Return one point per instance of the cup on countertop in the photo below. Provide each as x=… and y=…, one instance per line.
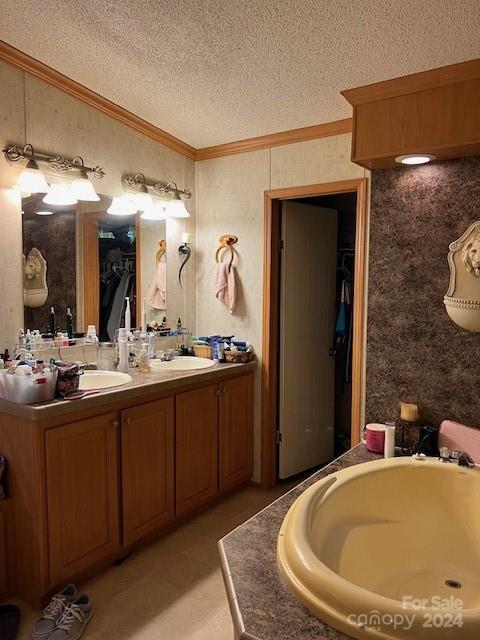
x=380, y=438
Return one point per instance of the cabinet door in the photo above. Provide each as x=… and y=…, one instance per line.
x=236, y=431
x=3, y=558
x=82, y=495
x=147, y=468
x=196, y=447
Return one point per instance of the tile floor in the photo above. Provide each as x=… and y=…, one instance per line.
x=172, y=589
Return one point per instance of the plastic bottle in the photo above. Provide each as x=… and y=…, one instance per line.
x=52, y=325
x=122, y=350
x=389, y=446
x=128, y=316
x=69, y=323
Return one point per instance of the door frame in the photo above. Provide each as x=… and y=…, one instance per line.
x=271, y=309
x=91, y=268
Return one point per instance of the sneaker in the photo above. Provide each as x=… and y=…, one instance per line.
x=74, y=619
x=44, y=626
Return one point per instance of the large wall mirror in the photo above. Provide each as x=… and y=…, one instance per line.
x=81, y=258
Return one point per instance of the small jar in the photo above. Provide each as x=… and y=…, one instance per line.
x=142, y=357
x=106, y=356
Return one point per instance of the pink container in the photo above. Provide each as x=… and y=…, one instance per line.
x=375, y=437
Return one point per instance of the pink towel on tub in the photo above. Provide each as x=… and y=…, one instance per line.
x=225, y=285
x=459, y=437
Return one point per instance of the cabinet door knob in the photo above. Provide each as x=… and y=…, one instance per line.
x=116, y=423
x=128, y=420
x=218, y=392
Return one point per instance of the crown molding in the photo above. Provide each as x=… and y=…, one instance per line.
x=47, y=74
x=42, y=71
x=276, y=139
x=413, y=83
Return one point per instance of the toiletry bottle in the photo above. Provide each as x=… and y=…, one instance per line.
x=122, y=350
x=144, y=318
x=7, y=359
x=221, y=351
x=52, y=325
x=21, y=338
x=128, y=316
x=2, y=364
x=28, y=340
x=179, y=325
x=69, y=323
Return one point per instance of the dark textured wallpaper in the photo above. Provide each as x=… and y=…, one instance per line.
x=413, y=348
x=55, y=237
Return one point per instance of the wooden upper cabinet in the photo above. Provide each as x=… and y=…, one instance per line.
x=236, y=431
x=147, y=468
x=196, y=447
x=82, y=495
x=434, y=112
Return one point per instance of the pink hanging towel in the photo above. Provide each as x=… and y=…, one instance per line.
x=225, y=285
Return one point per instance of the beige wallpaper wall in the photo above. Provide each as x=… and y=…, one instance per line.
x=230, y=200
x=57, y=123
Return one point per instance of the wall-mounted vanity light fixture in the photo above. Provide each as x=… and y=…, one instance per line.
x=171, y=197
x=32, y=180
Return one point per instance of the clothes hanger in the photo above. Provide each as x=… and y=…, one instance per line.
x=226, y=242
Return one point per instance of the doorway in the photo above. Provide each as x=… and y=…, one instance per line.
x=335, y=207
x=111, y=256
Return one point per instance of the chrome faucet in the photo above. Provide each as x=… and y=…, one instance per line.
x=460, y=457
x=463, y=459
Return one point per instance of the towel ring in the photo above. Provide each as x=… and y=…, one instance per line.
x=226, y=242
x=162, y=250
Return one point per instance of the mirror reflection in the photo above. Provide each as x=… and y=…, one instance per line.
x=89, y=267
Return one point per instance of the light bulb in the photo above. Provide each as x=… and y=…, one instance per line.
x=60, y=195
x=83, y=189
x=44, y=213
x=156, y=212
x=414, y=158
x=176, y=209
x=121, y=207
x=31, y=180
x=141, y=201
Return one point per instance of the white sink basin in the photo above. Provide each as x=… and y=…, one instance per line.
x=102, y=380
x=182, y=363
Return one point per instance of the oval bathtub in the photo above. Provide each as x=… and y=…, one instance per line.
x=388, y=549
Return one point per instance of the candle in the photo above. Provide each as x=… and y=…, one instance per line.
x=186, y=238
x=409, y=411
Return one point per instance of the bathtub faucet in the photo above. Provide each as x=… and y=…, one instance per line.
x=460, y=457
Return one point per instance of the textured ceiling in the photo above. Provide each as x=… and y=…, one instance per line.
x=214, y=71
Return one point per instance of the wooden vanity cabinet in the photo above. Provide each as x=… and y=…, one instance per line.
x=196, y=447
x=214, y=441
x=235, y=431
x=82, y=495
x=147, y=433
x=83, y=491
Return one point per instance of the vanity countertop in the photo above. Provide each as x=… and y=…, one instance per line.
x=141, y=385
x=261, y=605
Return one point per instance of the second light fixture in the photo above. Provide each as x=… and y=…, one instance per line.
x=169, y=203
